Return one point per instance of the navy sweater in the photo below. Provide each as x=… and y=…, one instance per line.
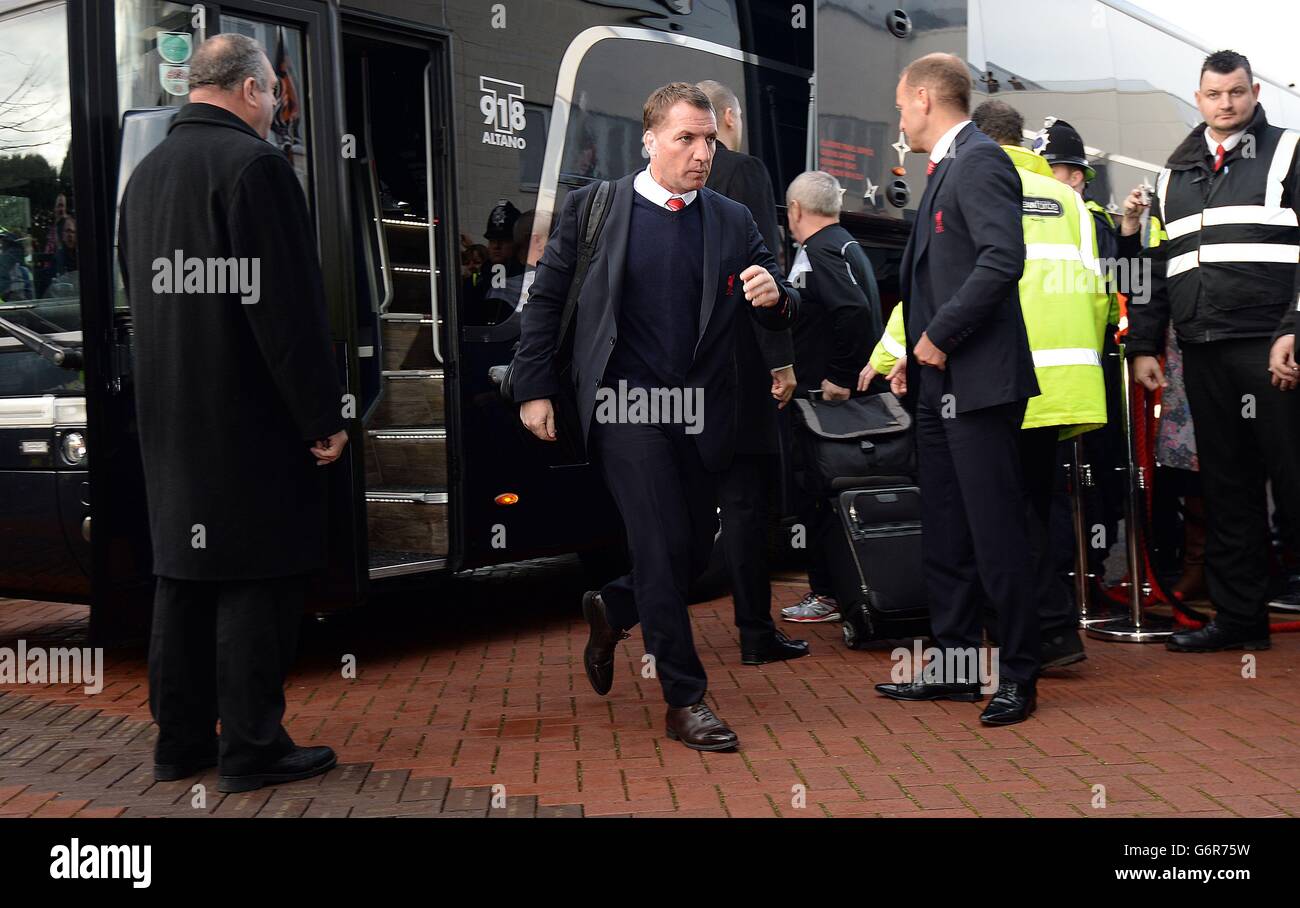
x=658, y=315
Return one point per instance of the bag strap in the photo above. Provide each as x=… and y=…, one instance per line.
x=589, y=229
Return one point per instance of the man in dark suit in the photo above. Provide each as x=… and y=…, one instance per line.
x=239, y=403
x=969, y=376
x=764, y=370
x=677, y=271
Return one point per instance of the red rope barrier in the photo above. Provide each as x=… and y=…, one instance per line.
x=1145, y=426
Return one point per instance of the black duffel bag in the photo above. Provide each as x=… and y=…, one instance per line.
x=852, y=442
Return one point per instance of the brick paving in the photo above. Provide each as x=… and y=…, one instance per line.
x=479, y=684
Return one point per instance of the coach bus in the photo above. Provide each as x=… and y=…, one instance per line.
x=435, y=140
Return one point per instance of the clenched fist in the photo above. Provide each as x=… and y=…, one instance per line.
x=760, y=287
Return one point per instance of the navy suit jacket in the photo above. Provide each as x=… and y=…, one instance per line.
x=732, y=243
x=959, y=277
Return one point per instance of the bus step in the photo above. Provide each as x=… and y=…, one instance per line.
x=411, y=290
x=411, y=398
x=407, y=239
x=410, y=522
x=394, y=564
x=406, y=458
x=408, y=342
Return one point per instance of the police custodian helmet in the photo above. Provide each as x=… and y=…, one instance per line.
x=1060, y=143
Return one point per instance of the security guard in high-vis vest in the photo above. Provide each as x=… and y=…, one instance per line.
x=1066, y=309
x=1228, y=279
x=1118, y=247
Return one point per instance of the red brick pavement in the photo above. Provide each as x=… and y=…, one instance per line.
x=480, y=683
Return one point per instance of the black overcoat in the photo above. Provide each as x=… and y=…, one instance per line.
x=232, y=388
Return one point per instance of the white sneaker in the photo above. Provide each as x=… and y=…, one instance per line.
x=812, y=609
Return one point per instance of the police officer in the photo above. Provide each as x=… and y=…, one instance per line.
x=1229, y=198
x=1062, y=147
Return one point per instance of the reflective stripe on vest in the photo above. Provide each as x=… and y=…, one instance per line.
x=1216, y=253
x=1270, y=214
x=1066, y=356
x=892, y=346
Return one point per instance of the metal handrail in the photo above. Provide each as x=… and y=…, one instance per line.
x=428, y=175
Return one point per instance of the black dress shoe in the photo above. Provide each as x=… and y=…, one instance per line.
x=1059, y=650
x=183, y=769
x=699, y=729
x=598, y=657
x=919, y=690
x=1013, y=702
x=299, y=763
x=780, y=647
x=1214, y=637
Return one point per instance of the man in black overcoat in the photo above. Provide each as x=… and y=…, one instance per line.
x=239, y=404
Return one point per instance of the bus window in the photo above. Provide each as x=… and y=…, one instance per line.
x=155, y=40
x=289, y=129
x=39, y=274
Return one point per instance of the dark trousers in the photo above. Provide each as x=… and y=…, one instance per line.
x=1041, y=464
x=974, y=533
x=744, y=498
x=221, y=650
x=1239, y=453
x=817, y=516
x=667, y=500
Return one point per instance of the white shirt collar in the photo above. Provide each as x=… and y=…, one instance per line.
x=1228, y=144
x=945, y=142
x=650, y=189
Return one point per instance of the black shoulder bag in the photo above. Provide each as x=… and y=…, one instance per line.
x=568, y=420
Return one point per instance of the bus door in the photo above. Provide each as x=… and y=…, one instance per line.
x=394, y=83
x=132, y=83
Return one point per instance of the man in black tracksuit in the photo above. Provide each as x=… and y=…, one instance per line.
x=839, y=325
x=1227, y=279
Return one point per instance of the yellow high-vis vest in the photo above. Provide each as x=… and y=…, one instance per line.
x=1063, y=298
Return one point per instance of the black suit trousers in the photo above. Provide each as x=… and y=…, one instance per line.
x=974, y=533
x=222, y=649
x=745, y=501
x=667, y=500
x=1247, y=433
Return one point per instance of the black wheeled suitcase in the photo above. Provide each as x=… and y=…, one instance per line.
x=875, y=562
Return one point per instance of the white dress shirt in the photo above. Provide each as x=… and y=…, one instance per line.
x=945, y=142
x=1228, y=144
x=649, y=188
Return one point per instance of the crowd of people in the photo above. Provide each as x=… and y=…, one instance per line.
x=1008, y=294
x=1012, y=288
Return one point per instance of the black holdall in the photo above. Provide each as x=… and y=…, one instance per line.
x=568, y=421
x=846, y=442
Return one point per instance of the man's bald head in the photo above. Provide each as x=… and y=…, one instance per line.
x=726, y=107
x=232, y=72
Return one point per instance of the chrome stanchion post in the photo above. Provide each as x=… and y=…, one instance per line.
x=1083, y=576
x=1136, y=627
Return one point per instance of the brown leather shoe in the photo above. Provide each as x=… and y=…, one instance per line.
x=598, y=657
x=699, y=729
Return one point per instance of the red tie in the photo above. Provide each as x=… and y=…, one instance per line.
x=1218, y=159
x=929, y=168
x=676, y=204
